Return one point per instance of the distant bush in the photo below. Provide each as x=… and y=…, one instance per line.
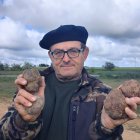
x=1, y=66
x=16, y=67
x=6, y=67
x=90, y=70
x=27, y=65
x=109, y=66
x=43, y=65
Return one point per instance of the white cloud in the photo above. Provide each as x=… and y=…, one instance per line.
x=10, y=33
x=102, y=17
x=17, y=42
x=113, y=25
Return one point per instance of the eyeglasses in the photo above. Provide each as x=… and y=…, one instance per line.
x=72, y=53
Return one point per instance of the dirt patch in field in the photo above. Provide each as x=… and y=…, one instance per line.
x=4, y=104
x=131, y=129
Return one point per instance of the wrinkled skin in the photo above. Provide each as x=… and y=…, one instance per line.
x=33, y=83
x=115, y=104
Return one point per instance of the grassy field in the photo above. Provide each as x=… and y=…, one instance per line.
x=7, y=86
x=117, y=73
x=112, y=78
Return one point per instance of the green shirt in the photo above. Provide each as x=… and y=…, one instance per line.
x=57, y=103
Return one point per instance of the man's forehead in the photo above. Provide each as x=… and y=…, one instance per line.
x=66, y=45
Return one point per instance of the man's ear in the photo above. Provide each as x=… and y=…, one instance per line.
x=86, y=52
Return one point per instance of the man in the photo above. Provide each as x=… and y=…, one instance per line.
x=71, y=111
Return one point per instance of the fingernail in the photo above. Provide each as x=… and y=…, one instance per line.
x=29, y=104
x=24, y=82
x=33, y=98
x=127, y=99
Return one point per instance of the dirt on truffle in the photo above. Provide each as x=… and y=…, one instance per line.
x=33, y=80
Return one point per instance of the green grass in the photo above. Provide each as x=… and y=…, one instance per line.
x=7, y=86
x=114, y=82
x=10, y=72
x=117, y=73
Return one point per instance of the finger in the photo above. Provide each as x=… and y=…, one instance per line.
x=121, y=121
x=19, y=100
x=109, y=122
x=28, y=96
x=23, y=113
x=42, y=87
x=131, y=114
x=136, y=100
x=132, y=103
x=20, y=80
x=20, y=108
x=28, y=117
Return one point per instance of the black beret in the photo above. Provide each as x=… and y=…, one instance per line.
x=64, y=33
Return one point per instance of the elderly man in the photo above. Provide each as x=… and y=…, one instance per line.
x=70, y=109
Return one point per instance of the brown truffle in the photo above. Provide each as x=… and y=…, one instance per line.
x=115, y=104
x=33, y=83
x=33, y=80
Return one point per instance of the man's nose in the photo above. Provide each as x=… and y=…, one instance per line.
x=66, y=58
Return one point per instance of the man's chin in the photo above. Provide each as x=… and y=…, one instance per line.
x=67, y=77
x=67, y=74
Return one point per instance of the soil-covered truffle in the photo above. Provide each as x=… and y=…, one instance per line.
x=33, y=80
x=115, y=104
x=33, y=83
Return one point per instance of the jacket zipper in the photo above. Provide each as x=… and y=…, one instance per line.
x=74, y=114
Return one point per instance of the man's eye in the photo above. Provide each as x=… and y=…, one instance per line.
x=73, y=51
x=57, y=52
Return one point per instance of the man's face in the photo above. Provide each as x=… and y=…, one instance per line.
x=67, y=67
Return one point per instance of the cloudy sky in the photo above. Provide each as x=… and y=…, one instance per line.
x=113, y=26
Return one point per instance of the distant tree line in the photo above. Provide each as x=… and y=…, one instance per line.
x=17, y=67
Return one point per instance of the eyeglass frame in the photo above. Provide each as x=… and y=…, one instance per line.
x=67, y=52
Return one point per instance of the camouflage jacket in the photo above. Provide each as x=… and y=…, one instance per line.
x=12, y=127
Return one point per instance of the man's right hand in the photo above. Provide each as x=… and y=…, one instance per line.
x=25, y=99
x=132, y=103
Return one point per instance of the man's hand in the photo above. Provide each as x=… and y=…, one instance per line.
x=109, y=123
x=25, y=99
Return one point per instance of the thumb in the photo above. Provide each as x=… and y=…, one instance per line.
x=42, y=87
